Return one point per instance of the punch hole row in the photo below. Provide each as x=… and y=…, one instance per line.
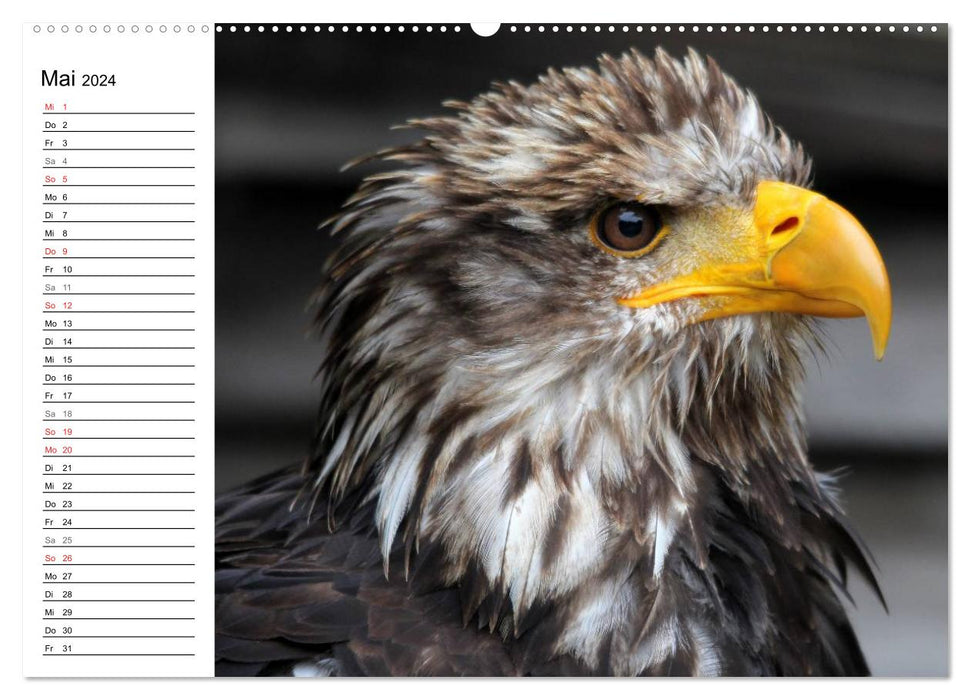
x=721, y=28
x=526, y=28
x=340, y=28
x=583, y=28
x=121, y=28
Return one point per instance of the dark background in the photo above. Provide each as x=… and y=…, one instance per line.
x=872, y=109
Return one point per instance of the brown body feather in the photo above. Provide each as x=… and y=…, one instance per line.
x=289, y=590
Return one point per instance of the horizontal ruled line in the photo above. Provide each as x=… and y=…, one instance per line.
x=117, y=528
x=119, y=167
x=72, y=238
x=116, y=366
x=116, y=437
x=119, y=294
x=118, y=384
x=115, y=636
x=125, y=583
x=118, y=149
x=70, y=491
x=119, y=347
x=104, y=583
x=114, y=330
x=106, y=654
x=119, y=275
x=119, y=546
x=119, y=420
x=121, y=311
x=128, y=113
x=125, y=564
x=129, y=184
x=124, y=473
x=118, y=221
x=114, y=204
x=118, y=131
x=78, y=401
x=110, y=456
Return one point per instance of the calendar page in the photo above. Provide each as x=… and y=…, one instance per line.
x=520, y=349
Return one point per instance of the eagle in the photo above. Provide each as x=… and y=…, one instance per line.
x=560, y=429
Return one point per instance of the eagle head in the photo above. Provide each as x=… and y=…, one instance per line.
x=564, y=324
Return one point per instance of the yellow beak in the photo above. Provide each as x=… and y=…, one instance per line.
x=803, y=254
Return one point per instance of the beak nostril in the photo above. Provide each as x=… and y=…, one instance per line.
x=786, y=226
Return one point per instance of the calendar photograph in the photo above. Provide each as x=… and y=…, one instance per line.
x=581, y=350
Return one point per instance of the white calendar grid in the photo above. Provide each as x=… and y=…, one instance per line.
x=118, y=349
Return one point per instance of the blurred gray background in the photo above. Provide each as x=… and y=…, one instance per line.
x=872, y=109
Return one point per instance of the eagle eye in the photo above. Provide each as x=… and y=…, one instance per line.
x=627, y=229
